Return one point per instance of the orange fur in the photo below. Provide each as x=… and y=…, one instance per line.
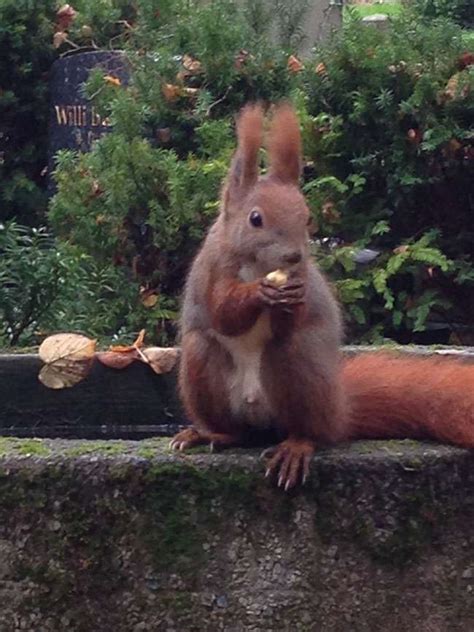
x=284, y=145
x=394, y=396
x=249, y=133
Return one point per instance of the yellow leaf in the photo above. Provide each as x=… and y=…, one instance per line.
x=68, y=359
x=112, y=81
x=64, y=373
x=66, y=346
x=149, y=299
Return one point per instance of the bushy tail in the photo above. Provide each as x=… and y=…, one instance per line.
x=395, y=396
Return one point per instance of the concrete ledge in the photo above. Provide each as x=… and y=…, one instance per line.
x=125, y=536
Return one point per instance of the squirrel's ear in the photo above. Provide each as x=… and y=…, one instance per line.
x=244, y=168
x=284, y=145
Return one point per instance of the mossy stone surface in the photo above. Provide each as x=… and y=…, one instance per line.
x=128, y=537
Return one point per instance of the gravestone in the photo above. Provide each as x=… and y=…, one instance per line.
x=321, y=19
x=314, y=20
x=74, y=121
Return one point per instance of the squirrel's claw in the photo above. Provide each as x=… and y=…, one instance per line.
x=291, y=459
x=187, y=438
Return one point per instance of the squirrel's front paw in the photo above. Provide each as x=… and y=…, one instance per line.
x=290, y=461
x=190, y=437
x=290, y=294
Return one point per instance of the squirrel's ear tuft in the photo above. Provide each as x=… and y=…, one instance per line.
x=244, y=168
x=284, y=145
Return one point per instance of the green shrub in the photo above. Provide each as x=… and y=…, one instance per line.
x=26, y=54
x=32, y=278
x=388, y=130
x=461, y=11
x=49, y=287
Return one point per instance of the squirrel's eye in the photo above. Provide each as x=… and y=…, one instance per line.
x=255, y=219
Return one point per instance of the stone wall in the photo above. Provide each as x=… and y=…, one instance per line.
x=127, y=537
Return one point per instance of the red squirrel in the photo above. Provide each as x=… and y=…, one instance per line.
x=261, y=353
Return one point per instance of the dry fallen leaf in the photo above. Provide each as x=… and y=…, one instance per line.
x=320, y=69
x=112, y=81
x=163, y=134
x=129, y=348
x=171, y=92
x=161, y=359
x=294, y=64
x=191, y=65
x=65, y=16
x=241, y=58
x=189, y=92
x=117, y=359
x=68, y=359
x=148, y=298
x=59, y=38
x=400, y=250
x=86, y=31
x=330, y=212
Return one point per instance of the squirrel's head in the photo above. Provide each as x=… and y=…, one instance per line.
x=266, y=218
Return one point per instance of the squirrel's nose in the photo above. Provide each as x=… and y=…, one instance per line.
x=292, y=257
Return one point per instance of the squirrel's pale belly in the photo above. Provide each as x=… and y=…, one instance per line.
x=247, y=393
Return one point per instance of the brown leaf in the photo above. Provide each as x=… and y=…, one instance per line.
x=68, y=359
x=129, y=348
x=191, y=65
x=399, y=250
x=163, y=134
x=86, y=31
x=59, y=38
x=455, y=89
x=112, y=81
x=330, y=212
x=189, y=92
x=161, y=359
x=414, y=136
x=117, y=359
x=171, y=92
x=294, y=64
x=321, y=70
x=241, y=57
x=466, y=60
x=65, y=16
x=148, y=298
x=96, y=189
